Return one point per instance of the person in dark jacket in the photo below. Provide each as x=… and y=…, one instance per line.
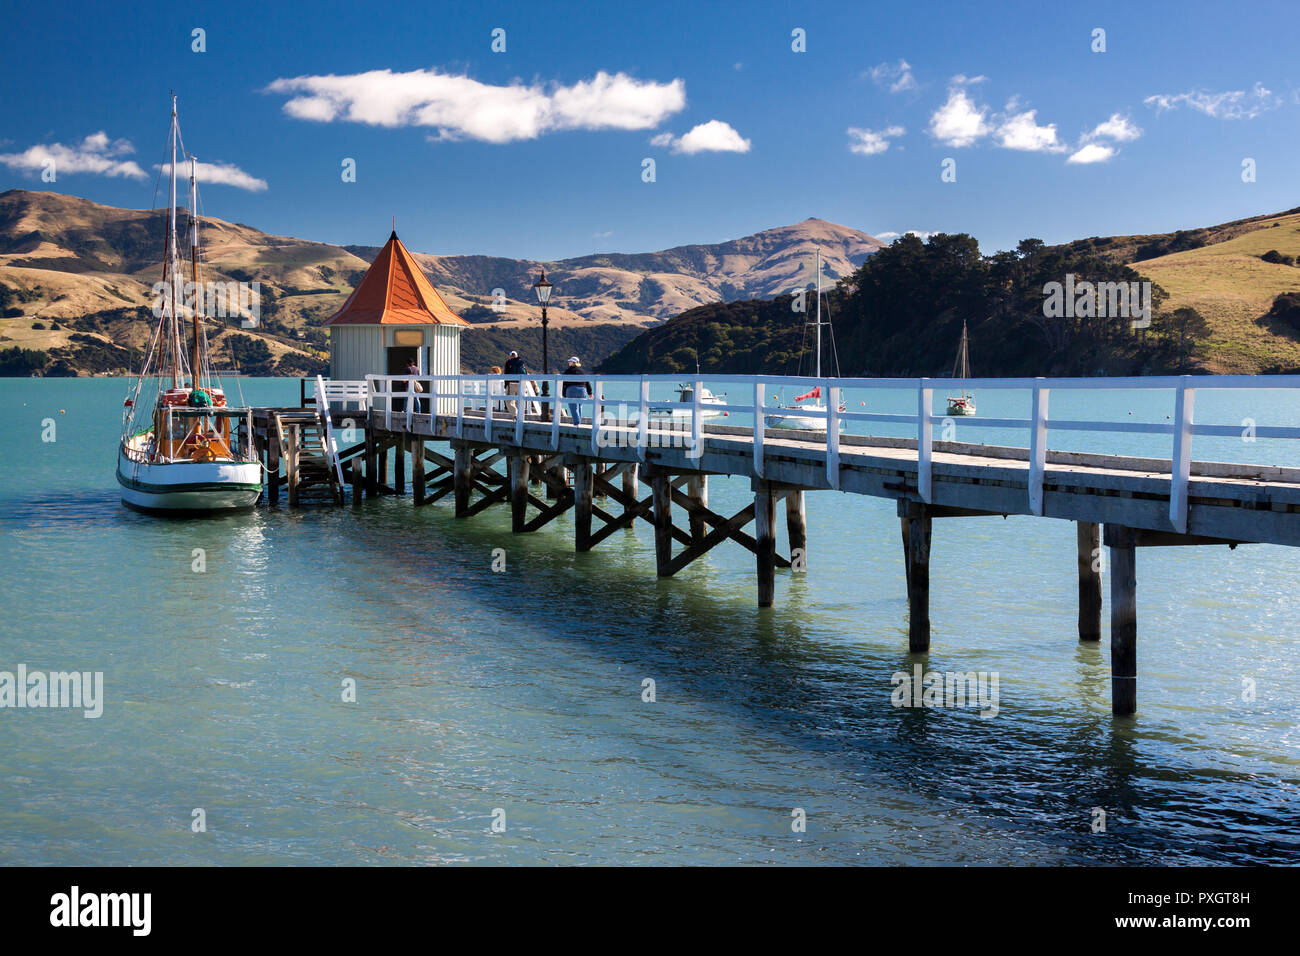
x=514, y=366
x=576, y=389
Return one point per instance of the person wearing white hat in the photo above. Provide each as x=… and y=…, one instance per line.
x=576, y=389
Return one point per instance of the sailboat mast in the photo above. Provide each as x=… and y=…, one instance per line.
x=819, y=312
x=172, y=258
x=194, y=268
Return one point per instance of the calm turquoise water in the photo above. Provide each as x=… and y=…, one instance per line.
x=522, y=690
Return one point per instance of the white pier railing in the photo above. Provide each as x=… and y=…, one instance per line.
x=644, y=420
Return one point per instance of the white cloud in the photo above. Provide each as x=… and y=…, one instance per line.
x=1092, y=153
x=221, y=174
x=1093, y=146
x=460, y=107
x=1021, y=131
x=1234, y=104
x=961, y=79
x=958, y=122
x=96, y=154
x=714, y=136
x=897, y=76
x=1119, y=128
x=919, y=233
x=866, y=142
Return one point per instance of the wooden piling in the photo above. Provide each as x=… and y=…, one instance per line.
x=291, y=465
x=661, y=490
x=906, y=524
x=1089, y=539
x=417, y=469
x=383, y=465
x=399, y=466
x=697, y=488
x=796, y=526
x=519, y=468
x=582, y=503
x=272, y=466
x=372, y=463
x=631, y=488
x=461, y=479
x=765, y=537
x=918, y=582
x=1122, y=543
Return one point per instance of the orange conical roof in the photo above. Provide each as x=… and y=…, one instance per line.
x=394, y=292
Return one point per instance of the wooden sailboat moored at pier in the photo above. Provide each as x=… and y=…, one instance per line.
x=181, y=448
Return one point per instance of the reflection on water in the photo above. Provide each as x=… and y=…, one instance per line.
x=523, y=691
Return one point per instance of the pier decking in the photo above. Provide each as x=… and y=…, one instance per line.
x=1120, y=502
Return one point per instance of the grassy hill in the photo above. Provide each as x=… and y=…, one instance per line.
x=901, y=312
x=76, y=278
x=1218, y=270
x=1234, y=288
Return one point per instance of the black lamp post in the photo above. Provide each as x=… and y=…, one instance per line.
x=543, y=290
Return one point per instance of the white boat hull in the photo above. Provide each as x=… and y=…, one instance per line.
x=800, y=422
x=682, y=414
x=189, y=486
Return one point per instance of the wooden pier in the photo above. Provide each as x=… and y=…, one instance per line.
x=633, y=466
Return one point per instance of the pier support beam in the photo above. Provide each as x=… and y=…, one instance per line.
x=357, y=475
x=399, y=466
x=461, y=475
x=630, y=488
x=582, y=503
x=917, y=535
x=697, y=488
x=518, y=468
x=372, y=463
x=765, y=536
x=1122, y=543
x=552, y=488
x=1089, y=538
x=416, y=446
x=291, y=465
x=661, y=489
x=272, y=466
x=796, y=526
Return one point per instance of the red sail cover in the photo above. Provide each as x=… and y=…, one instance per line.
x=815, y=393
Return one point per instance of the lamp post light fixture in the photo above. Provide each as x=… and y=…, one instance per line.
x=543, y=290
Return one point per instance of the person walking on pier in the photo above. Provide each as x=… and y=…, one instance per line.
x=514, y=366
x=419, y=404
x=576, y=389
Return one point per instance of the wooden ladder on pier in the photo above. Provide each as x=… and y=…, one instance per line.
x=309, y=453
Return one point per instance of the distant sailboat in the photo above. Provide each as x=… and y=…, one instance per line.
x=791, y=416
x=964, y=404
x=180, y=449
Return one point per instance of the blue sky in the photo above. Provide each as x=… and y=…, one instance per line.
x=537, y=152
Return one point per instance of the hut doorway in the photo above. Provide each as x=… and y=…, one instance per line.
x=400, y=357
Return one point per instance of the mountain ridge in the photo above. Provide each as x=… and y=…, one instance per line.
x=64, y=259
